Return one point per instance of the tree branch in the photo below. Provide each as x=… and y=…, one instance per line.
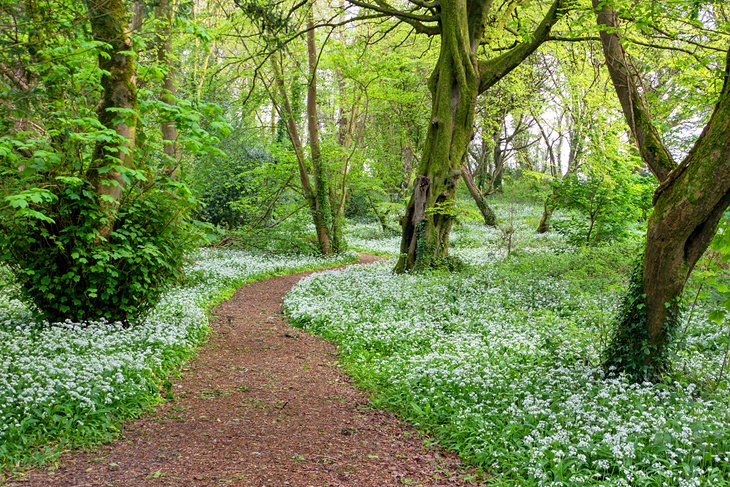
x=493, y=70
x=647, y=138
x=573, y=39
x=414, y=20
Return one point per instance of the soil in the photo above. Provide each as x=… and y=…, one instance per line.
x=263, y=404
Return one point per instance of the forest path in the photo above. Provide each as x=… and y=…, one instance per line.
x=262, y=404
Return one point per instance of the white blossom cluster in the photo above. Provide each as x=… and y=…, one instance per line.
x=73, y=381
x=472, y=243
x=502, y=364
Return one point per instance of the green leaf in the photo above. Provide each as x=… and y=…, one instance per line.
x=717, y=316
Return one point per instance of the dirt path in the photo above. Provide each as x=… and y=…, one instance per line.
x=262, y=404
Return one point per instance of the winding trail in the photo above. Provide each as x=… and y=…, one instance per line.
x=262, y=404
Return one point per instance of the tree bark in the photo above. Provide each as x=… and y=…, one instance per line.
x=118, y=107
x=307, y=189
x=457, y=79
x=636, y=113
x=688, y=206
x=496, y=179
x=687, y=211
x=164, y=18
x=453, y=85
x=547, y=213
x=321, y=208
x=490, y=219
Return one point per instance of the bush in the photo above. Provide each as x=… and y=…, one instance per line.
x=294, y=236
x=247, y=187
x=602, y=206
x=66, y=269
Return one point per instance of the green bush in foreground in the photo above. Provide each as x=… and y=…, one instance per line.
x=67, y=270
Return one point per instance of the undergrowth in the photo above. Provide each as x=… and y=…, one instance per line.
x=70, y=384
x=502, y=363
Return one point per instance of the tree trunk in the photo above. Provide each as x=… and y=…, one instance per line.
x=118, y=107
x=454, y=87
x=547, y=213
x=651, y=147
x=293, y=131
x=490, y=219
x=687, y=208
x=495, y=183
x=321, y=211
x=164, y=18
x=316, y=192
x=378, y=215
x=457, y=79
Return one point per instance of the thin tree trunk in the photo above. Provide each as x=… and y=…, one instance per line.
x=164, y=16
x=652, y=150
x=321, y=190
x=495, y=182
x=118, y=107
x=490, y=219
x=293, y=131
x=547, y=213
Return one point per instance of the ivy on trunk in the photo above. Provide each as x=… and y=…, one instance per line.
x=688, y=206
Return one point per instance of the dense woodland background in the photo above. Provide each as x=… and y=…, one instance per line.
x=134, y=132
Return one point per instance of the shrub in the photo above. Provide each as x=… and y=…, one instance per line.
x=67, y=270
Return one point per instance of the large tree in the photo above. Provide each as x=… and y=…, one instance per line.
x=688, y=206
x=460, y=75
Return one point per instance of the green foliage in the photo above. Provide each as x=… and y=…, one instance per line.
x=716, y=276
x=524, y=186
x=231, y=189
x=68, y=270
x=294, y=236
x=77, y=253
x=606, y=200
x=502, y=364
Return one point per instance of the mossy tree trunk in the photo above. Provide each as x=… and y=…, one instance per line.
x=164, y=20
x=456, y=81
x=118, y=108
x=547, y=213
x=454, y=87
x=688, y=206
x=321, y=210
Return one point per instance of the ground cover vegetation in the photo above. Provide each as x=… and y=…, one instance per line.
x=71, y=383
x=583, y=263
x=503, y=361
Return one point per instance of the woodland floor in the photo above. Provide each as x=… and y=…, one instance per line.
x=262, y=404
